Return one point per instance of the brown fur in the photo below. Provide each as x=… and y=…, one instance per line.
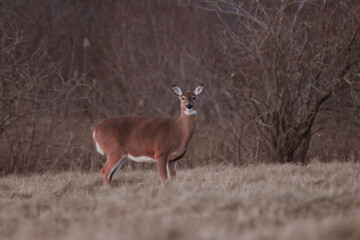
x=162, y=139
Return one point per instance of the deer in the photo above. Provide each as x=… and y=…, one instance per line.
x=147, y=139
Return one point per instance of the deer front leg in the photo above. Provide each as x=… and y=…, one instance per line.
x=172, y=168
x=161, y=166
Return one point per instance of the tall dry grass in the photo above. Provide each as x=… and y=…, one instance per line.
x=319, y=201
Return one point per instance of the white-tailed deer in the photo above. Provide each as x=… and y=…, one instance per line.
x=145, y=139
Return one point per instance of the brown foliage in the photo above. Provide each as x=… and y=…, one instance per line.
x=284, y=61
x=273, y=72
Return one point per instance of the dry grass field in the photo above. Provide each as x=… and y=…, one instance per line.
x=318, y=201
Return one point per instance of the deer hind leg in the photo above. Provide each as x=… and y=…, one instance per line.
x=112, y=165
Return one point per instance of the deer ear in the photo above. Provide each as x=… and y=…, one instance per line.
x=176, y=90
x=199, y=90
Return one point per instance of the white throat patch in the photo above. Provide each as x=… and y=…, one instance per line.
x=190, y=112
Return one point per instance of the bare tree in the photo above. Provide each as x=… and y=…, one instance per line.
x=285, y=59
x=276, y=72
x=32, y=88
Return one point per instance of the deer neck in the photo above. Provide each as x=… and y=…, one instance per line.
x=186, y=126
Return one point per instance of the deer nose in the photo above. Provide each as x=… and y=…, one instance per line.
x=189, y=105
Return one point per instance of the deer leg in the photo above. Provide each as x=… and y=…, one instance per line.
x=112, y=165
x=116, y=168
x=172, y=168
x=161, y=166
x=105, y=171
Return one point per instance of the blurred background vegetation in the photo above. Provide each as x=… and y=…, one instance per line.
x=281, y=78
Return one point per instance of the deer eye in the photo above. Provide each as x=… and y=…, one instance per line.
x=193, y=98
x=182, y=98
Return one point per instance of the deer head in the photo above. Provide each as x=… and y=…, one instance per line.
x=187, y=99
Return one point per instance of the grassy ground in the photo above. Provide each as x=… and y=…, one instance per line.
x=318, y=201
